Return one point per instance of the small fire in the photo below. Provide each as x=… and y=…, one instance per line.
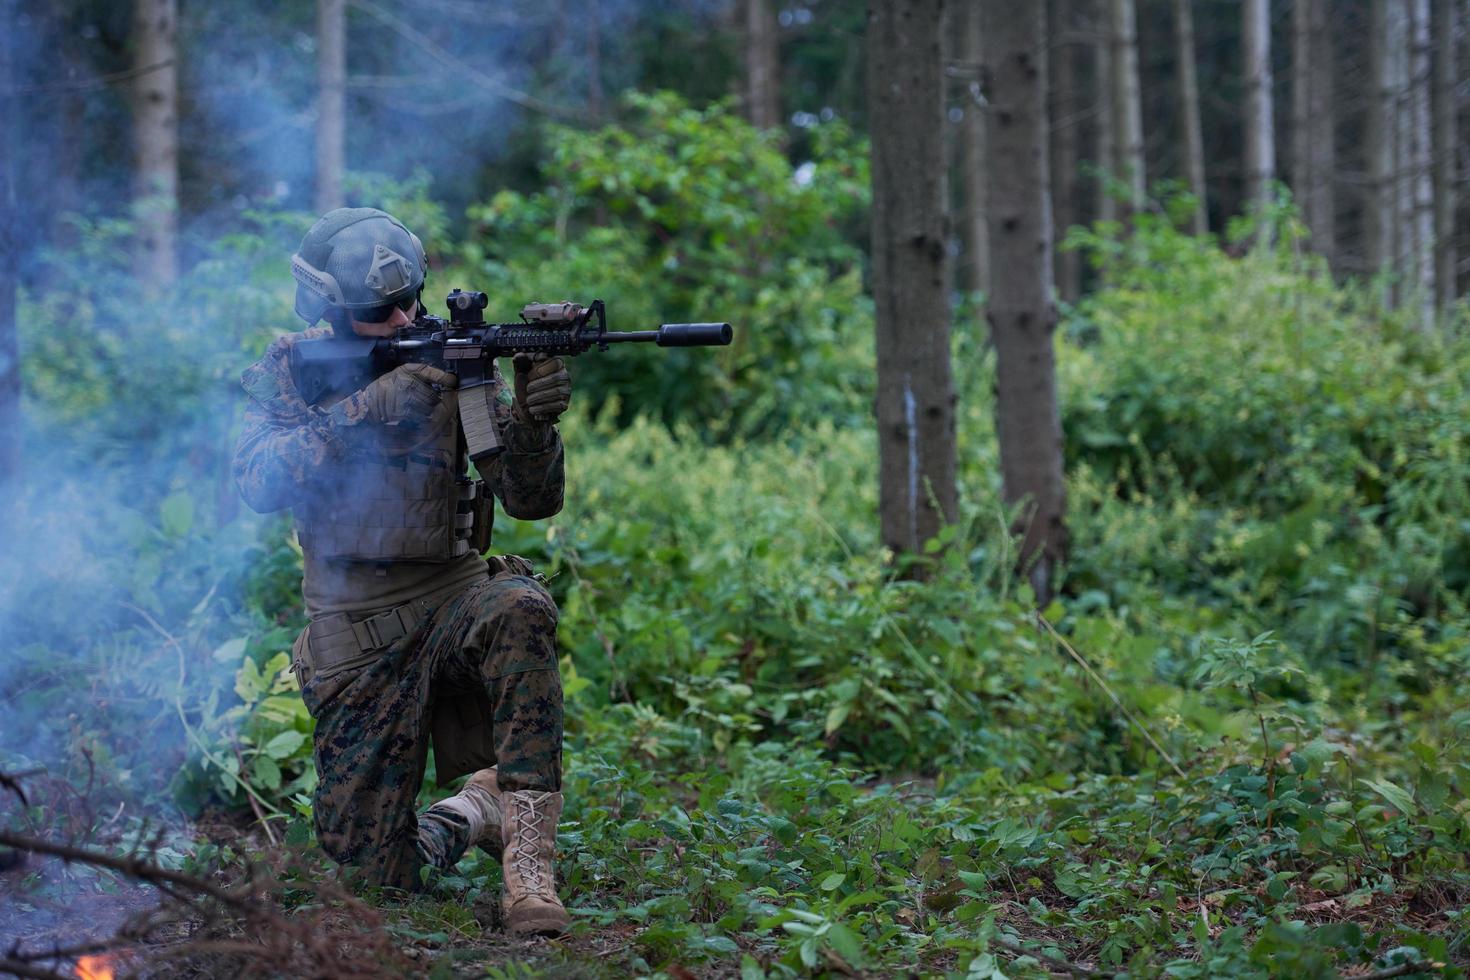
x=94, y=968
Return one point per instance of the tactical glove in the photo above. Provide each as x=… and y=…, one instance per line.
x=543, y=388
x=407, y=406
x=410, y=394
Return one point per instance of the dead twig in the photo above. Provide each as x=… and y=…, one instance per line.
x=1402, y=970
x=21, y=969
x=341, y=937
x=1055, y=962
x=1117, y=701
x=133, y=868
x=270, y=835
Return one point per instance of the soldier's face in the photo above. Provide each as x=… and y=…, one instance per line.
x=398, y=318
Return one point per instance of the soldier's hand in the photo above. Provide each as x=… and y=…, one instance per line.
x=543, y=387
x=410, y=394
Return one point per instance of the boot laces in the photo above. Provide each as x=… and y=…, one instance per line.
x=525, y=847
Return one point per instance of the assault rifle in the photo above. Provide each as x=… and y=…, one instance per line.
x=468, y=346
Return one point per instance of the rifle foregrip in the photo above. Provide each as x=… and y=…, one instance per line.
x=694, y=335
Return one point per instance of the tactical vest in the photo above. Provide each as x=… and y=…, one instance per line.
x=419, y=507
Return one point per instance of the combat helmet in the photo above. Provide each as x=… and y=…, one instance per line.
x=357, y=259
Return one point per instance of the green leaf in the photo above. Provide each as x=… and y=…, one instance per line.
x=846, y=943
x=284, y=745
x=974, y=880
x=230, y=651
x=267, y=773
x=176, y=514
x=833, y=881
x=837, y=715
x=1400, y=798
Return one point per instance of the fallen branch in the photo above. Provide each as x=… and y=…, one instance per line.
x=21, y=969
x=1055, y=962
x=1402, y=970
x=132, y=867
x=240, y=922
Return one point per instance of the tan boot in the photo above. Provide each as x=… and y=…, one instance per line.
x=478, y=804
x=483, y=787
x=530, y=903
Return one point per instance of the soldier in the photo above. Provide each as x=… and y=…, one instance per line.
x=412, y=633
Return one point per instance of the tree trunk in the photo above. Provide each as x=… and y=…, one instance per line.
x=1022, y=315
x=916, y=402
x=1105, y=152
x=1417, y=196
x=11, y=430
x=331, y=73
x=594, y=66
x=1380, y=129
x=1065, y=109
x=1260, y=142
x=1194, y=143
x=762, y=82
x=156, y=140
x=1127, y=102
x=975, y=233
x=1312, y=127
x=1445, y=173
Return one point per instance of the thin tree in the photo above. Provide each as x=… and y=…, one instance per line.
x=156, y=139
x=974, y=229
x=1105, y=130
x=762, y=81
x=1313, y=159
x=1065, y=110
x=1022, y=313
x=10, y=427
x=1445, y=175
x=1260, y=141
x=1194, y=144
x=1127, y=100
x=915, y=406
x=593, y=59
x=1383, y=68
x=331, y=72
x=1415, y=165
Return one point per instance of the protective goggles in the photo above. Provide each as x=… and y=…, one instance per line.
x=377, y=314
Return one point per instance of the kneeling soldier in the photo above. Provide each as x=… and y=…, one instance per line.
x=413, y=634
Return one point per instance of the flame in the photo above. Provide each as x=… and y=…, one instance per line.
x=94, y=968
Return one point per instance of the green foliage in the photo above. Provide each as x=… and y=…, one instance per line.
x=783, y=759
x=688, y=215
x=1300, y=453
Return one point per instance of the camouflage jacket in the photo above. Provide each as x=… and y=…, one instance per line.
x=287, y=444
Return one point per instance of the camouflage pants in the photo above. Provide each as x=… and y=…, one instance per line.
x=498, y=636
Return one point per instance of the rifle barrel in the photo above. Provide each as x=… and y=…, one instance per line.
x=676, y=335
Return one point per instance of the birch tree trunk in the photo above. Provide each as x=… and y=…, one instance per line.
x=1194, y=143
x=331, y=73
x=915, y=406
x=1260, y=141
x=156, y=139
x=975, y=233
x=10, y=421
x=1313, y=159
x=1065, y=106
x=1445, y=172
x=762, y=84
x=1022, y=314
x=1127, y=101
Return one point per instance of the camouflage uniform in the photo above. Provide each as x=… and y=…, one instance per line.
x=477, y=672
